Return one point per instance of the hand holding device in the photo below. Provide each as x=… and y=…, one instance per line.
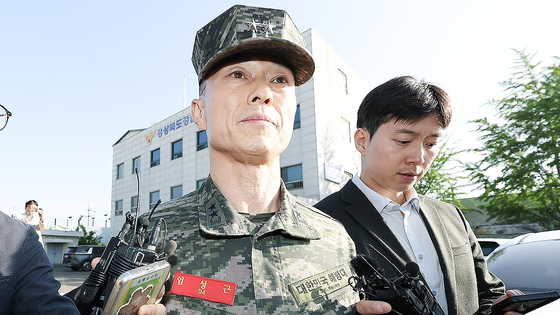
x=523, y=303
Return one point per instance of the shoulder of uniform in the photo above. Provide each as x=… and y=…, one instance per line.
x=175, y=205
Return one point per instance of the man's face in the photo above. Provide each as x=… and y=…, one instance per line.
x=31, y=208
x=398, y=155
x=248, y=109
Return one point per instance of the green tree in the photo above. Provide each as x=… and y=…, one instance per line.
x=442, y=180
x=89, y=238
x=520, y=155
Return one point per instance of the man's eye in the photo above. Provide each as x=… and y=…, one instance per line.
x=237, y=75
x=280, y=80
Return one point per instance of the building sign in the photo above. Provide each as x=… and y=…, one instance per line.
x=333, y=172
x=171, y=127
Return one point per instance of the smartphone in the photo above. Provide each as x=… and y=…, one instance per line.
x=524, y=303
x=137, y=287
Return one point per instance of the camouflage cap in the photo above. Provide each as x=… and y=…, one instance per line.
x=243, y=29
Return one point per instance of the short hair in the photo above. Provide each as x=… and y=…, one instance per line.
x=403, y=99
x=31, y=202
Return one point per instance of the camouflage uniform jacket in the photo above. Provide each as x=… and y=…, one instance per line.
x=297, y=262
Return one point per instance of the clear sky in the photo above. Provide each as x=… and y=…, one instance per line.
x=78, y=74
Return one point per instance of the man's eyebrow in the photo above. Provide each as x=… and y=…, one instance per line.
x=409, y=131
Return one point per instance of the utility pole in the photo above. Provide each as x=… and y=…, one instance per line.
x=88, y=211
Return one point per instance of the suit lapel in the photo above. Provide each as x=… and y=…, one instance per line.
x=365, y=214
x=439, y=236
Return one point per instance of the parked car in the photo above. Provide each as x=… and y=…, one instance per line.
x=530, y=263
x=488, y=245
x=80, y=257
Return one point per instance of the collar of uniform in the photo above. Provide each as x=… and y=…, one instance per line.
x=289, y=219
x=218, y=217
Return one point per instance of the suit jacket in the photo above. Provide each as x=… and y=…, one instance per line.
x=27, y=284
x=469, y=286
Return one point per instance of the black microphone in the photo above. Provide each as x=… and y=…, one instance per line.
x=170, y=247
x=413, y=269
x=141, y=230
x=126, y=226
x=155, y=235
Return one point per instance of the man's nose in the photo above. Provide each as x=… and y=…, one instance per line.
x=261, y=93
x=416, y=154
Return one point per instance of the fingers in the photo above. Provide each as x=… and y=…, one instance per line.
x=365, y=307
x=152, y=309
x=514, y=292
x=94, y=262
x=160, y=295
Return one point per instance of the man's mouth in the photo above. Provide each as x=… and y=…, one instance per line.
x=258, y=118
x=409, y=176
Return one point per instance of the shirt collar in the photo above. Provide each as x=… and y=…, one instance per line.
x=380, y=202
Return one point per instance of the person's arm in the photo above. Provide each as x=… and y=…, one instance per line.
x=41, y=225
x=36, y=290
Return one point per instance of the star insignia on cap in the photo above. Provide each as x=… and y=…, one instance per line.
x=269, y=28
x=253, y=27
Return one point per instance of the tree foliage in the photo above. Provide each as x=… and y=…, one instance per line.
x=520, y=156
x=89, y=238
x=442, y=180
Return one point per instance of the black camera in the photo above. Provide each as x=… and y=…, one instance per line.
x=406, y=293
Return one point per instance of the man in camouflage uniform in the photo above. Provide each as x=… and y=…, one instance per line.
x=245, y=244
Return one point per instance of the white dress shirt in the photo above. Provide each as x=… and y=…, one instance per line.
x=407, y=224
x=33, y=220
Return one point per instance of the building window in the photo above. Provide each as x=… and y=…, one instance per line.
x=120, y=171
x=154, y=197
x=345, y=130
x=136, y=164
x=118, y=207
x=297, y=121
x=155, y=157
x=201, y=140
x=133, y=204
x=176, y=191
x=343, y=81
x=200, y=182
x=292, y=176
x=177, y=149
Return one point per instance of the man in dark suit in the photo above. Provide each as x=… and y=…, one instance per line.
x=400, y=125
x=27, y=284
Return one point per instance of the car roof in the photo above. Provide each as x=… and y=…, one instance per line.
x=529, y=238
x=541, y=236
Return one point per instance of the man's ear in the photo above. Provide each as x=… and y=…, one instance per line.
x=198, y=114
x=361, y=140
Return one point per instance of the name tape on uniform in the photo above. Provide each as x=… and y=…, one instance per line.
x=204, y=288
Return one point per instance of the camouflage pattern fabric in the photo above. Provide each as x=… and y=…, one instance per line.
x=297, y=262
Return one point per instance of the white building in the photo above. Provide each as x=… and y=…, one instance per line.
x=172, y=155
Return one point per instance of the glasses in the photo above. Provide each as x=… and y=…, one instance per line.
x=4, y=116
